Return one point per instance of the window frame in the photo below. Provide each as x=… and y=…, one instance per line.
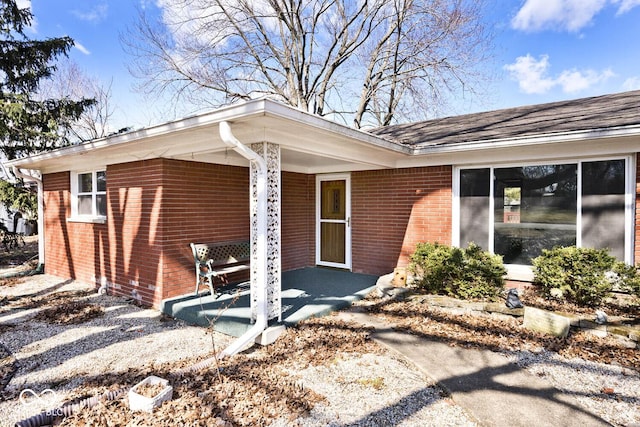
x=524, y=271
x=94, y=216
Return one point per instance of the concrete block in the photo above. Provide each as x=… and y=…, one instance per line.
x=593, y=328
x=498, y=307
x=546, y=322
x=620, y=330
x=270, y=335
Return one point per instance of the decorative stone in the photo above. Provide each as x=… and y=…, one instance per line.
x=601, y=317
x=138, y=402
x=496, y=307
x=546, y=322
x=593, y=328
x=556, y=293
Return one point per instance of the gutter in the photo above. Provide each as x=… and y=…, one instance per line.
x=41, y=248
x=536, y=139
x=261, y=241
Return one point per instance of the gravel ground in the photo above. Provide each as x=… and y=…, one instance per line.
x=62, y=357
x=357, y=387
x=612, y=392
x=377, y=390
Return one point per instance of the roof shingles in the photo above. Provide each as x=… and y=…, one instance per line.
x=600, y=112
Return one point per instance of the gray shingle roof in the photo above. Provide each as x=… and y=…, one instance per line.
x=600, y=112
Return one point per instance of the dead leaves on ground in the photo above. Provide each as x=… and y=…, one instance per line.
x=71, y=312
x=501, y=334
x=249, y=389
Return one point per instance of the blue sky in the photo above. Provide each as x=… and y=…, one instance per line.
x=545, y=50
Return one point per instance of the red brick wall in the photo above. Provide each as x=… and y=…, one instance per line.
x=157, y=207
x=71, y=249
x=392, y=210
x=298, y=220
x=202, y=203
x=140, y=249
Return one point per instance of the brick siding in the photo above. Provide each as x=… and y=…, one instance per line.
x=392, y=210
x=298, y=220
x=155, y=209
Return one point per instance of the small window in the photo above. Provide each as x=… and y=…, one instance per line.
x=89, y=195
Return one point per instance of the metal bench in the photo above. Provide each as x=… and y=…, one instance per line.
x=219, y=259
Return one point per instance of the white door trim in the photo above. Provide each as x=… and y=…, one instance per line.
x=347, y=221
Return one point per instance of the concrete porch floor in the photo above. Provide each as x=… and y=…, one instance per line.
x=306, y=292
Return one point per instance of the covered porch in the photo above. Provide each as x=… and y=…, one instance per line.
x=306, y=292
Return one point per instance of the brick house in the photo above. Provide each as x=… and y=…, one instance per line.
x=121, y=211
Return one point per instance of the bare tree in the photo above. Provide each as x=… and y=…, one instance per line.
x=70, y=82
x=370, y=61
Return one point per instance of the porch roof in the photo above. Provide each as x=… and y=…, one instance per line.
x=597, y=126
x=309, y=144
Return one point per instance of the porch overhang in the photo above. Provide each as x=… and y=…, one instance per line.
x=314, y=145
x=309, y=144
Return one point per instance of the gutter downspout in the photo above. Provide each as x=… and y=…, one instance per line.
x=41, y=249
x=261, y=241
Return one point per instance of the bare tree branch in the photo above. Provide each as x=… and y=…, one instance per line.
x=375, y=61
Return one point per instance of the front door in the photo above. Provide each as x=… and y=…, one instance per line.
x=333, y=230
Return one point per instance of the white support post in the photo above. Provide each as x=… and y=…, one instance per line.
x=271, y=155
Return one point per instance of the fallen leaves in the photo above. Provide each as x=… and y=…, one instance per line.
x=253, y=388
x=7, y=366
x=500, y=334
x=71, y=312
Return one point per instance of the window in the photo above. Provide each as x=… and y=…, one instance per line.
x=518, y=211
x=89, y=195
x=541, y=210
x=475, y=206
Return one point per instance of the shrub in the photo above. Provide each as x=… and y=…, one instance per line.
x=585, y=276
x=462, y=273
x=626, y=277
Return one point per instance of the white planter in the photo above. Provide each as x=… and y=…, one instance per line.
x=138, y=402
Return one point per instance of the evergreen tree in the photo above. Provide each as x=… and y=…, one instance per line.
x=29, y=124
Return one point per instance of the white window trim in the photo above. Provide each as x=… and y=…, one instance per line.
x=525, y=272
x=93, y=217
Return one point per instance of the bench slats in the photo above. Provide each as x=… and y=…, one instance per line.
x=218, y=259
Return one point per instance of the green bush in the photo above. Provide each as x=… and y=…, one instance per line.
x=585, y=276
x=626, y=277
x=462, y=273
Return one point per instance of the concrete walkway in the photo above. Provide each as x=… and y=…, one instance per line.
x=492, y=390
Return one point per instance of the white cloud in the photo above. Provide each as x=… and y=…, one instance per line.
x=26, y=4
x=530, y=74
x=96, y=14
x=81, y=48
x=632, y=83
x=533, y=76
x=569, y=15
x=626, y=5
x=574, y=80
